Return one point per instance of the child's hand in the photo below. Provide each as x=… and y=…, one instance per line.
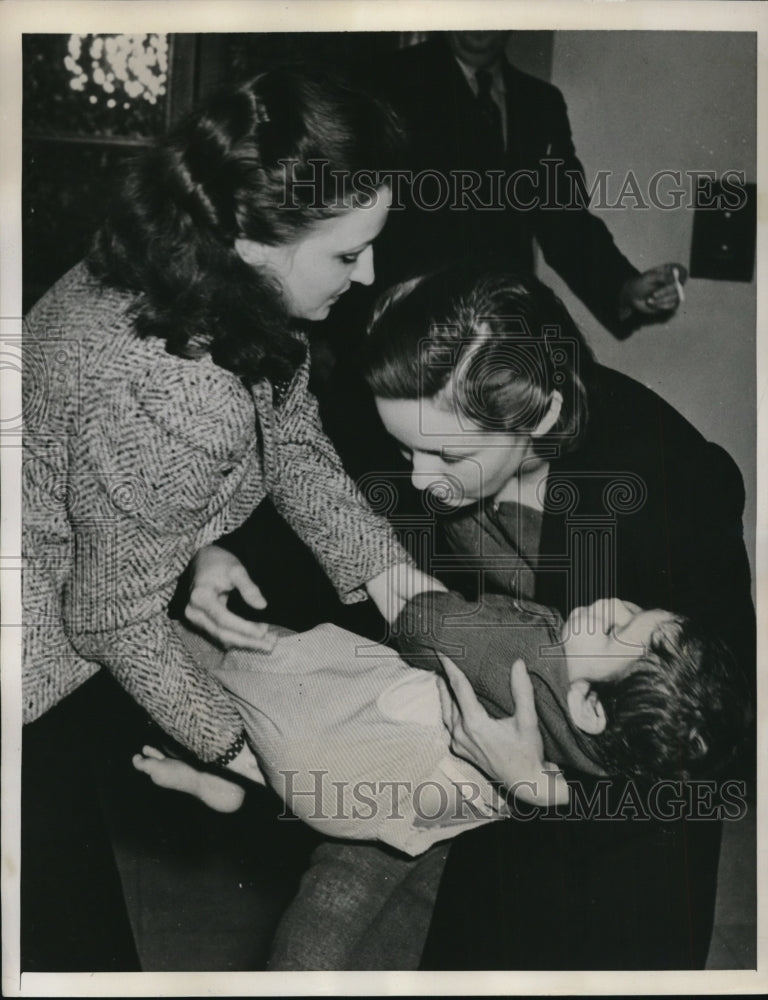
x=507, y=750
x=168, y=772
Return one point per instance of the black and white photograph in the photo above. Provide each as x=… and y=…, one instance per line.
x=381, y=522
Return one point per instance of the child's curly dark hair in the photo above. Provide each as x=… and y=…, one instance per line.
x=681, y=711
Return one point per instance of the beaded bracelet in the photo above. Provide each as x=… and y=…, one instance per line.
x=229, y=755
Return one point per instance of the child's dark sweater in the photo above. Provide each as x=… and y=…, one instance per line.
x=484, y=639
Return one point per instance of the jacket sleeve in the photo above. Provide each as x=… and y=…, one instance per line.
x=145, y=482
x=576, y=243
x=482, y=638
x=311, y=490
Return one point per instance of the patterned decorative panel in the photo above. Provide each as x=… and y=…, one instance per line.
x=95, y=85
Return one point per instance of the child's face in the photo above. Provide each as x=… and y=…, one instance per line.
x=602, y=640
x=454, y=459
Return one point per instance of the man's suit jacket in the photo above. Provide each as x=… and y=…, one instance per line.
x=446, y=135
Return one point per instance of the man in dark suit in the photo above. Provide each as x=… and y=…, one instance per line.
x=494, y=167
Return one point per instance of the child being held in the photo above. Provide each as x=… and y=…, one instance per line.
x=619, y=690
x=354, y=739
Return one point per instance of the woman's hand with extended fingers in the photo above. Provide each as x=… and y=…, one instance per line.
x=215, y=574
x=510, y=750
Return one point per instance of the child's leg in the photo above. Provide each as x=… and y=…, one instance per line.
x=167, y=772
x=359, y=907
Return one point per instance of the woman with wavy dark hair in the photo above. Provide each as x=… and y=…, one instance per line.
x=186, y=405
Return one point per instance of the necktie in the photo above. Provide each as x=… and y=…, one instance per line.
x=489, y=110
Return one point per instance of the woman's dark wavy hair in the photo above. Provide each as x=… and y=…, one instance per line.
x=264, y=161
x=495, y=344
x=681, y=711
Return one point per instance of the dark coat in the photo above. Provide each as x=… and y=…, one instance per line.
x=445, y=133
x=627, y=893
x=668, y=504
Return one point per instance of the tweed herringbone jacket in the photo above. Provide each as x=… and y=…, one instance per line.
x=133, y=460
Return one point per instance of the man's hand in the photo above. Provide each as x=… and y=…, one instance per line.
x=657, y=292
x=509, y=751
x=215, y=574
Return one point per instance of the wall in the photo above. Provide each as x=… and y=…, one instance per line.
x=648, y=101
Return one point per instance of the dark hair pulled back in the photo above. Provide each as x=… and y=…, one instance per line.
x=495, y=344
